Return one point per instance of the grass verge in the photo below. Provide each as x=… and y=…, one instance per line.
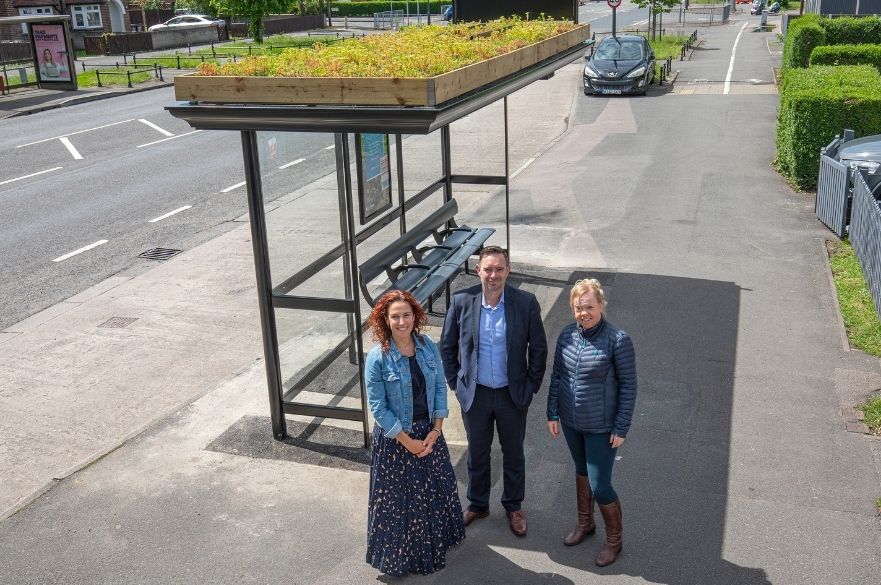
x=89, y=79
x=860, y=319
x=670, y=46
x=872, y=412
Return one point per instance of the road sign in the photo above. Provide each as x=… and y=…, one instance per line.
x=613, y=3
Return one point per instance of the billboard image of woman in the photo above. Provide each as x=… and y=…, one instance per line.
x=51, y=51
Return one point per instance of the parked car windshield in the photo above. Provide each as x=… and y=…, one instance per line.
x=613, y=49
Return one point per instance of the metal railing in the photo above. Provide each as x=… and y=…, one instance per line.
x=664, y=69
x=689, y=43
x=390, y=19
x=705, y=15
x=155, y=69
x=865, y=236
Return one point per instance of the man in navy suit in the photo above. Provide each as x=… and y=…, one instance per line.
x=495, y=351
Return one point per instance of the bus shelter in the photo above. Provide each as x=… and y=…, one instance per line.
x=51, y=48
x=328, y=286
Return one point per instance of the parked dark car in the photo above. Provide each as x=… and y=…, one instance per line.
x=757, y=7
x=448, y=13
x=864, y=154
x=620, y=64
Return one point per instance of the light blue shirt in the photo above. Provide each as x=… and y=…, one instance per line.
x=492, y=349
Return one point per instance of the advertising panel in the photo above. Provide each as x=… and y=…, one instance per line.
x=51, y=51
x=374, y=175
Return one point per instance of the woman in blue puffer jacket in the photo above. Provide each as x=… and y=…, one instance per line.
x=591, y=399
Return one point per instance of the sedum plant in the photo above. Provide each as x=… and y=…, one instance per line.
x=422, y=51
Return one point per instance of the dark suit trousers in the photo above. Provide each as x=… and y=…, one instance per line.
x=494, y=408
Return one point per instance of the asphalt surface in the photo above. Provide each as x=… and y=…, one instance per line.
x=143, y=455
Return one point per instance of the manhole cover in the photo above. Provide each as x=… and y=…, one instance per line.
x=159, y=253
x=118, y=322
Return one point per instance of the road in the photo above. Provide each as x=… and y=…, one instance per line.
x=598, y=15
x=86, y=189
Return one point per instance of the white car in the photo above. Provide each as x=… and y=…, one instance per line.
x=186, y=20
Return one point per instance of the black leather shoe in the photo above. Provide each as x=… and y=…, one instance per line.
x=470, y=515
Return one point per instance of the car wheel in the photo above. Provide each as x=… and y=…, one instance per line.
x=586, y=92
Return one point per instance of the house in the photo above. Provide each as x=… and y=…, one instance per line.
x=88, y=17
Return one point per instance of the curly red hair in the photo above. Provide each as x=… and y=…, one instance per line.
x=378, y=320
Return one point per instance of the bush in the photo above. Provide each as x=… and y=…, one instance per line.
x=852, y=30
x=803, y=35
x=815, y=105
x=368, y=8
x=847, y=55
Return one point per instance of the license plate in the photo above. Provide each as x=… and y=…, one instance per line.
x=612, y=91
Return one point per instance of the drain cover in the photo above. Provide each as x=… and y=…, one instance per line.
x=118, y=322
x=159, y=253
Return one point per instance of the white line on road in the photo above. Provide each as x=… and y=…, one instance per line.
x=71, y=148
x=80, y=251
x=72, y=133
x=155, y=127
x=331, y=147
x=169, y=214
x=165, y=139
x=292, y=163
x=731, y=65
x=231, y=187
x=31, y=175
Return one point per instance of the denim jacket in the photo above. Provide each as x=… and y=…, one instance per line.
x=390, y=387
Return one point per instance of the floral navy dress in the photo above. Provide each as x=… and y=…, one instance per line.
x=414, y=512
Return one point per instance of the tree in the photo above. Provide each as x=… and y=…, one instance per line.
x=656, y=7
x=253, y=10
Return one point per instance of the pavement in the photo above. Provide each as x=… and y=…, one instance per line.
x=137, y=446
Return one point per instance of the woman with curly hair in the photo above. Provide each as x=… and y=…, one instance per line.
x=414, y=512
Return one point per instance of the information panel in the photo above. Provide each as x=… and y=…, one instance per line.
x=374, y=175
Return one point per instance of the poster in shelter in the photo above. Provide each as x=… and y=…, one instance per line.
x=374, y=175
x=51, y=51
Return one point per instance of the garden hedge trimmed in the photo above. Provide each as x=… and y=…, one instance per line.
x=368, y=8
x=850, y=30
x=847, y=55
x=802, y=36
x=815, y=105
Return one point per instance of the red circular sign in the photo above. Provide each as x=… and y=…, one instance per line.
x=614, y=3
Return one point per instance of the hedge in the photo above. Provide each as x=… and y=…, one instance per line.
x=847, y=55
x=368, y=8
x=815, y=105
x=852, y=31
x=802, y=36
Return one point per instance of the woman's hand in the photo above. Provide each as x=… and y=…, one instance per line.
x=554, y=428
x=615, y=441
x=429, y=441
x=412, y=445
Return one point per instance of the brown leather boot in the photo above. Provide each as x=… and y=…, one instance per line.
x=614, y=531
x=584, y=526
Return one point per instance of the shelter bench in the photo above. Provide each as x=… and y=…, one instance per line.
x=422, y=269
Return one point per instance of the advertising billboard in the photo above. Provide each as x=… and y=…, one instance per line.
x=374, y=175
x=50, y=48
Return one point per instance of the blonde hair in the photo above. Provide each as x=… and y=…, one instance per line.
x=586, y=285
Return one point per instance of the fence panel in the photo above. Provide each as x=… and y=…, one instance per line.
x=831, y=203
x=703, y=15
x=865, y=236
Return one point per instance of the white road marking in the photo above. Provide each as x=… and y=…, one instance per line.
x=232, y=187
x=31, y=175
x=170, y=213
x=731, y=65
x=80, y=251
x=292, y=163
x=71, y=148
x=331, y=147
x=73, y=133
x=155, y=127
x=165, y=139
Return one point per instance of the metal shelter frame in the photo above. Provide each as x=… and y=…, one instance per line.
x=343, y=120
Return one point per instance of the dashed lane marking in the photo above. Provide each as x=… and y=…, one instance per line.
x=170, y=213
x=80, y=251
x=155, y=127
x=31, y=175
x=233, y=187
x=71, y=148
x=292, y=163
x=74, y=133
x=167, y=139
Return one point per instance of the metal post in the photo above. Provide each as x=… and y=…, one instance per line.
x=508, y=183
x=399, y=152
x=264, y=282
x=614, y=12
x=345, y=234
x=343, y=141
x=446, y=162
